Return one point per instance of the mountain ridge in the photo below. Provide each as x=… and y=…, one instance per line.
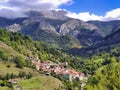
x=90, y=49
x=53, y=26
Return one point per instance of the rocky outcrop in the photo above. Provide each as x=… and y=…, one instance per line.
x=73, y=25
x=14, y=28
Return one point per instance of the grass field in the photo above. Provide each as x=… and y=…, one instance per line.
x=10, y=51
x=4, y=69
x=40, y=83
x=5, y=88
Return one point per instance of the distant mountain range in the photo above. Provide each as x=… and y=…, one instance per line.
x=58, y=30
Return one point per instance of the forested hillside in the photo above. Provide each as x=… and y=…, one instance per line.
x=15, y=53
x=102, y=65
x=105, y=78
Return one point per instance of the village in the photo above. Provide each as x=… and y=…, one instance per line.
x=59, y=69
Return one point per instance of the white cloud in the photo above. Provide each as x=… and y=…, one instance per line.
x=86, y=16
x=22, y=6
x=9, y=13
x=17, y=8
x=34, y=4
x=112, y=15
x=3, y=1
x=56, y=2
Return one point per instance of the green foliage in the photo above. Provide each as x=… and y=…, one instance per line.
x=102, y=64
x=25, y=75
x=3, y=56
x=107, y=78
x=19, y=62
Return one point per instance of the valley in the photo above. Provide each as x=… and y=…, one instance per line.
x=50, y=51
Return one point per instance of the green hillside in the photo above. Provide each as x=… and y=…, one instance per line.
x=105, y=78
x=15, y=50
x=15, y=47
x=107, y=75
x=41, y=83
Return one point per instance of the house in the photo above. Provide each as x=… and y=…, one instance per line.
x=67, y=76
x=59, y=69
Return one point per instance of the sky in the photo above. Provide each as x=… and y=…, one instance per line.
x=103, y=10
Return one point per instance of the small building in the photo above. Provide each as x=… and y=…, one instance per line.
x=67, y=76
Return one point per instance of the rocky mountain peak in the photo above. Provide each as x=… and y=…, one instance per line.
x=51, y=14
x=55, y=28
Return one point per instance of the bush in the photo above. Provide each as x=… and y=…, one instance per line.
x=19, y=62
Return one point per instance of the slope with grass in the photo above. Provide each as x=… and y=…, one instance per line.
x=41, y=83
x=15, y=51
x=100, y=63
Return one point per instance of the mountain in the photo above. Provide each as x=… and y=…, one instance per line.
x=106, y=44
x=97, y=53
x=107, y=76
x=55, y=29
x=105, y=27
x=114, y=36
x=50, y=14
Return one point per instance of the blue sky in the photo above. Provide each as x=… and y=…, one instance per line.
x=98, y=7
x=103, y=10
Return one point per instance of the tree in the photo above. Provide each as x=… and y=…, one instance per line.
x=19, y=62
x=28, y=76
x=12, y=75
x=7, y=77
x=22, y=74
x=113, y=60
x=27, y=63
